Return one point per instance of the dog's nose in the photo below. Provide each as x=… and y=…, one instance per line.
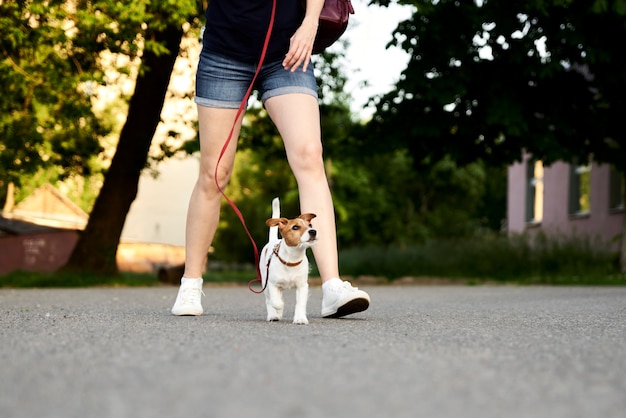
x=312, y=233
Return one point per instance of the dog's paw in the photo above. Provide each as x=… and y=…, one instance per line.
x=273, y=318
x=300, y=320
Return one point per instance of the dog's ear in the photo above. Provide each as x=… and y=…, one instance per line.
x=307, y=216
x=276, y=221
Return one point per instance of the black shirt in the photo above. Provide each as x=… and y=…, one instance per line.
x=237, y=28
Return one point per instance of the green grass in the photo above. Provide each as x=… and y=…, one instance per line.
x=33, y=279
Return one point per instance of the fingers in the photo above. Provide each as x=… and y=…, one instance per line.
x=301, y=47
x=294, y=61
x=299, y=54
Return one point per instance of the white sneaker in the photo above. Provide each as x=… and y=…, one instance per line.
x=188, y=300
x=339, y=299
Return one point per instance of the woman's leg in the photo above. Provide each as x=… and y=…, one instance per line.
x=204, y=205
x=298, y=120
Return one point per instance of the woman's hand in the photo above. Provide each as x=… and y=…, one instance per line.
x=301, y=46
x=301, y=43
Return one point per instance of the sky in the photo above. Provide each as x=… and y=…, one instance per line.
x=369, y=31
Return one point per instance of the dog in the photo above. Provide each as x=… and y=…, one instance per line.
x=283, y=263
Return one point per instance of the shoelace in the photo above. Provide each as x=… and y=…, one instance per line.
x=347, y=285
x=190, y=295
x=343, y=286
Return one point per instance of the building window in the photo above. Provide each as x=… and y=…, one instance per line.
x=616, y=190
x=534, y=194
x=580, y=188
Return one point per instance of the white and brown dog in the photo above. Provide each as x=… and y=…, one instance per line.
x=284, y=264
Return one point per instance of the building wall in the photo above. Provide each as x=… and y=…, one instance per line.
x=158, y=214
x=516, y=197
x=600, y=222
x=556, y=198
x=40, y=252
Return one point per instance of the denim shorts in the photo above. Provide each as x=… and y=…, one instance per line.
x=222, y=82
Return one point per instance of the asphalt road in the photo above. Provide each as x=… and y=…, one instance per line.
x=417, y=352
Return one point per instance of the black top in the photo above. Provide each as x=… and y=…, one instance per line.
x=237, y=28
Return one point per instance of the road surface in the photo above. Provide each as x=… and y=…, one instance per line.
x=419, y=351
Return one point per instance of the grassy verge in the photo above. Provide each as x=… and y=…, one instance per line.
x=32, y=279
x=519, y=260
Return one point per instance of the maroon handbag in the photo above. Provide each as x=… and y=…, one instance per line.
x=333, y=23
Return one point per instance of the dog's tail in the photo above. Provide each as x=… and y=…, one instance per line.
x=273, y=235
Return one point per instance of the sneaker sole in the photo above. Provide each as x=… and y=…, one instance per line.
x=187, y=313
x=354, y=306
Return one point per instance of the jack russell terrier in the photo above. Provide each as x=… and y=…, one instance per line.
x=284, y=264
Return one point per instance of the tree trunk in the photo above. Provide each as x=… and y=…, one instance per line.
x=97, y=246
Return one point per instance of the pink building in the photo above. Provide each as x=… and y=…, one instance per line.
x=565, y=199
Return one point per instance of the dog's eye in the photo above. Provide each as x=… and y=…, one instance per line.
x=295, y=227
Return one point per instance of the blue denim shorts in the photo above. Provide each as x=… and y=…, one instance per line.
x=222, y=82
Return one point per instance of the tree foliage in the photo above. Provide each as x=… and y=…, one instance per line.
x=50, y=66
x=162, y=34
x=488, y=79
x=46, y=117
x=53, y=58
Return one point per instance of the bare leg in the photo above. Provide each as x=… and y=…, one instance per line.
x=298, y=121
x=204, y=205
x=297, y=118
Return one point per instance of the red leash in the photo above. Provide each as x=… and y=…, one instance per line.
x=242, y=107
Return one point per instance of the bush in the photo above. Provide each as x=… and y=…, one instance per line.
x=521, y=258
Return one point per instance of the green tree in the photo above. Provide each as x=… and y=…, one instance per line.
x=46, y=73
x=489, y=79
x=52, y=62
x=160, y=27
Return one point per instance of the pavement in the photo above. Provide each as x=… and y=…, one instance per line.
x=419, y=351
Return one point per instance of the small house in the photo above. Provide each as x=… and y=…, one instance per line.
x=583, y=200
